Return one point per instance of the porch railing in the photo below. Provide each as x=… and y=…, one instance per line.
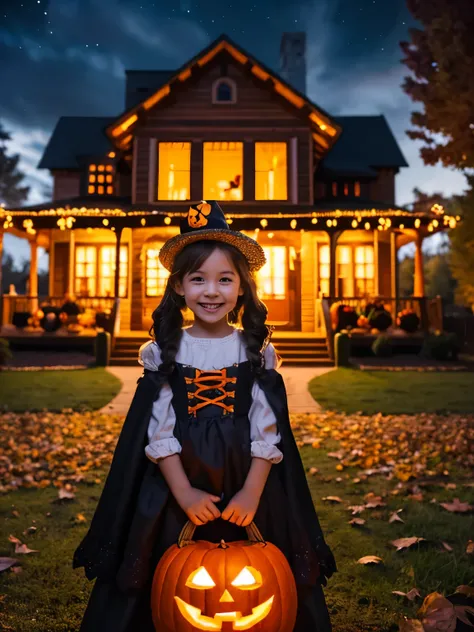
x=429, y=311
x=25, y=303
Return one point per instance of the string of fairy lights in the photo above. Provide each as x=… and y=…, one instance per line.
x=368, y=219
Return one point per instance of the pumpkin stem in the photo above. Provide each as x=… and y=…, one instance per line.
x=223, y=545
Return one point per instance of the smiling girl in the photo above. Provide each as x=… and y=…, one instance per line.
x=207, y=438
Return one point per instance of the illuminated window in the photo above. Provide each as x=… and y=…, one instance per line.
x=272, y=277
x=334, y=189
x=357, y=189
x=324, y=269
x=107, y=271
x=100, y=178
x=86, y=270
x=364, y=271
x=174, y=171
x=224, y=91
x=95, y=270
x=346, y=188
x=156, y=274
x=270, y=171
x=223, y=167
x=344, y=270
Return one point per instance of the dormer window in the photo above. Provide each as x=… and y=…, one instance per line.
x=100, y=180
x=224, y=91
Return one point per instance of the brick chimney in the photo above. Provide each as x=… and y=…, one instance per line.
x=293, y=59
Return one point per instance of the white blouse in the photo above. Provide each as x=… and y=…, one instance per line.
x=208, y=354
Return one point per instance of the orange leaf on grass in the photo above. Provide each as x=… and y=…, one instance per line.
x=410, y=595
x=394, y=517
x=457, y=506
x=7, y=562
x=334, y=499
x=357, y=522
x=370, y=559
x=405, y=543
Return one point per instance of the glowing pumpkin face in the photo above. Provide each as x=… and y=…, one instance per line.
x=197, y=217
x=247, y=584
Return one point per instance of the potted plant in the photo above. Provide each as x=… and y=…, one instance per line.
x=408, y=320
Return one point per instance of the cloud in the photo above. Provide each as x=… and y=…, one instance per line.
x=29, y=143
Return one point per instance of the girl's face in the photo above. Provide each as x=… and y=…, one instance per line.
x=212, y=291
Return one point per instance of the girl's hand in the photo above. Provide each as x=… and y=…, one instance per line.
x=241, y=508
x=198, y=505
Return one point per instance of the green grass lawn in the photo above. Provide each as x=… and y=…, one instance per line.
x=390, y=392
x=49, y=596
x=87, y=389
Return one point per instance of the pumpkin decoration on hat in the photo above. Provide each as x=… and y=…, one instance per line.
x=197, y=217
x=206, y=221
x=248, y=584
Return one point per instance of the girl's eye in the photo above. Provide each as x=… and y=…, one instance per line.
x=226, y=279
x=196, y=279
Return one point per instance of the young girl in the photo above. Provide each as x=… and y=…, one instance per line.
x=207, y=438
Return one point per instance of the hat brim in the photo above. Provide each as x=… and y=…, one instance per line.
x=251, y=249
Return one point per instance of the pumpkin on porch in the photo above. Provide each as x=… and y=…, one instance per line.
x=247, y=583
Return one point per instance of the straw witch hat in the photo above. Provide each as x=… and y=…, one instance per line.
x=204, y=221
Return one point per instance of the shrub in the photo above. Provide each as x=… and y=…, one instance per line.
x=5, y=353
x=382, y=347
x=440, y=346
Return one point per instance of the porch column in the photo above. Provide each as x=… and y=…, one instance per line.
x=2, y=231
x=393, y=265
x=333, y=237
x=2, y=306
x=376, y=262
x=72, y=259
x=118, y=234
x=419, y=281
x=33, y=282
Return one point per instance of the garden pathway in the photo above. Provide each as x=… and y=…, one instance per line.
x=296, y=380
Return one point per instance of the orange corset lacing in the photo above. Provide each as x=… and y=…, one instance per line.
x=215, y=380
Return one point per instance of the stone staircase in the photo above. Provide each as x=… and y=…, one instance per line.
x=303, y=350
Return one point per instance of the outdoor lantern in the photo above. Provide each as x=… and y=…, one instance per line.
x=248, y=584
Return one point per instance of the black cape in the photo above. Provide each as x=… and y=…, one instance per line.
x=102, y=550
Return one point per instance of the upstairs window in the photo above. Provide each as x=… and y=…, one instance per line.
x=101, y=180
x=174, y=171
x=270, y=171
x=357, y=189
x=223, y=168
x=224, y=91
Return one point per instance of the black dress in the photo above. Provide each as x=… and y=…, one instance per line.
x=136, y=521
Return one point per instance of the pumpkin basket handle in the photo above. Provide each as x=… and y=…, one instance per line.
x=187, y=532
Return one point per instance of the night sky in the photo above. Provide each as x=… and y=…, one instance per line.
x=68, y=57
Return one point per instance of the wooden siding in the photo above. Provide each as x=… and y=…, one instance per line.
x=308, y=282
x=384, y=269
x=258, y=115
x=383, y=188
x=61, y=268
x=66, y=184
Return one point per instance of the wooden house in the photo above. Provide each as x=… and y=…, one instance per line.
x=316, y=190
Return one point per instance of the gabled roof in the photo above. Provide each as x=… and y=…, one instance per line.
x=141, y=84
x=75, y=137
x=366, y=143
x=325, y=130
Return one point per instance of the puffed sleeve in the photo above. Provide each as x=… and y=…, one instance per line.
x=161, y=440
x=263, y=426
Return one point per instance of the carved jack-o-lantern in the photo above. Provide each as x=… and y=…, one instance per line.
x=200, y=585
x=197, y=217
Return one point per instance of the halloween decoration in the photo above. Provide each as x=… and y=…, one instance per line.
x=197, y=216
x=247, y=583
x=380, y=319
x=408, y=320
x=206, y=220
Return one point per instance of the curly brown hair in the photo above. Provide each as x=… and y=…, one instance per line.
x=250, y=312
